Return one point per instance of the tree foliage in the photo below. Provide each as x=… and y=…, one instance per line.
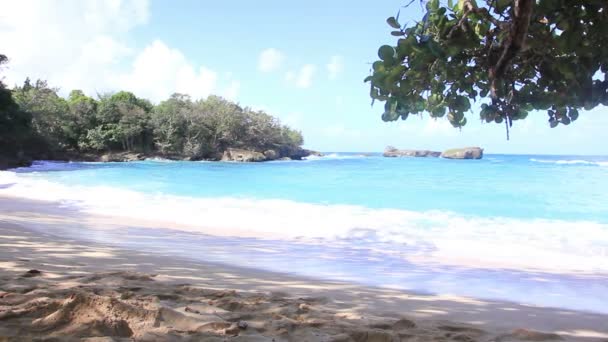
x=47, y=109
x=515, y=56
x=15, y=124
x=177, y=127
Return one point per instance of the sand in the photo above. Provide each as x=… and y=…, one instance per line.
x=60, y=289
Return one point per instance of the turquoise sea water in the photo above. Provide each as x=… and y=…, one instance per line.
x=552, y=187
x=526, y=228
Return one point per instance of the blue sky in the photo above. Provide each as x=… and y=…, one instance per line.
x=303, y=62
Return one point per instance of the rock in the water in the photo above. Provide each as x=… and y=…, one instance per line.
x=240, y=155
x=394, y=152
x=463, y=153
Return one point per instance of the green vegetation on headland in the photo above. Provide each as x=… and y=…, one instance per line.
x=37, y=123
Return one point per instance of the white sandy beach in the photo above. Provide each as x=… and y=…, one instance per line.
x=87, y=290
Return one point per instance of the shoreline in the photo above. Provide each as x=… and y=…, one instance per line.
x=61, y=258
x=8, y=163
x=509, y=255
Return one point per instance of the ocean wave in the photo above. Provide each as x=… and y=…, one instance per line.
x=49, y=166
x=160, y=160
x=570, y=162
x=536, y=243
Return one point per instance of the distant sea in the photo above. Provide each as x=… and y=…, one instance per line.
x=531, y=228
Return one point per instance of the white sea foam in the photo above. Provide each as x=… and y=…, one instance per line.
x=160, y=160
x=334, y=156
x=570, y=162
x=448, y=237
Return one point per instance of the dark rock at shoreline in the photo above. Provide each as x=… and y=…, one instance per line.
x=463, y=153
x=394, y=152
x=13, y=161
x=305, y=153
x=315, y=153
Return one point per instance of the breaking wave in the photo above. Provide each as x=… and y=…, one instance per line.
x=570, y=162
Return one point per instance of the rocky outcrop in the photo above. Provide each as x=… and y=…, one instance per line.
x=394, y=152
x=241, y=155
x=271, y=155
x=463, y=153
x=122, y=157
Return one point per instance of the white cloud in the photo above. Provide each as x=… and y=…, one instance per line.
x=270, y=60
x=303, y=77
x=158, y=71
x=82, y=44
x=335, y=67
x=70, y=43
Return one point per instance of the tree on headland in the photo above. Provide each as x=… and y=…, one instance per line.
x=82, y=112
x=47, y=109
x=15, y=124
x=515, y=56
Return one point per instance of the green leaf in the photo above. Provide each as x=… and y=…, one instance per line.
x=378, y=66
x=386, y=53
x=501, y=5
x=435, y=49
x=392, y=22
x=573, y=114
x=404, y=46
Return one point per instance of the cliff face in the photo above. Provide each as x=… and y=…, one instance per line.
x=244, y=155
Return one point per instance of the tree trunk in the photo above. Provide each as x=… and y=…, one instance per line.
x=522, y=12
